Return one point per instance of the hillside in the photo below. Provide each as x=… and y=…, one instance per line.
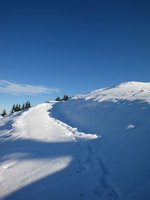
x=93, y=146
x=120, y=115
x=126, y=91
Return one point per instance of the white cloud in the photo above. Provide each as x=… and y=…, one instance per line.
x=12, y=88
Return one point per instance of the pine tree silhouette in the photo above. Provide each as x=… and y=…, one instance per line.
x=65, y=98
x=4, y=113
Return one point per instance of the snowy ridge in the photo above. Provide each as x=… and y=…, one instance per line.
x=25, y=119
x=34, y=148
x=121, y=116
x=126, y=91
x=70, y=131
x=94, y=146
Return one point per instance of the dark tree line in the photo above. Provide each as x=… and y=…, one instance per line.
x=65, y=98
x=17, y=108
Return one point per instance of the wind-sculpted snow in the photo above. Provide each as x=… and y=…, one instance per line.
x=94, y=146
x=43, y=158
x=121, y=117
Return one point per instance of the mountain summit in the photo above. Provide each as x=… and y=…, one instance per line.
x=125, y=91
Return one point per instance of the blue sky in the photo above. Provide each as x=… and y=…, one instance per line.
x=71, y=47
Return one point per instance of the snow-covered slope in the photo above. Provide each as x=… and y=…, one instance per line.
x=126, y=91
x=42, y=158
x=94, y=146
x=120, y=115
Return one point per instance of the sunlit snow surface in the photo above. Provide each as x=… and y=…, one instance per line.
x=120, y=115
x=130, y=91
x=39, y=155
x=94, y=146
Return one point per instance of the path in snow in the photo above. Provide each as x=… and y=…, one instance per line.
x=44, y=158
x=120, y=115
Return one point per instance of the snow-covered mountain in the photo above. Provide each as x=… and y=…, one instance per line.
x=94, y=146
x=120, y=115
x=126, y=91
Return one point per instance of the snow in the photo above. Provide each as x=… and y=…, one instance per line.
x=40, y=155
x=93, y=146
x=130, y=126
x=126, y=91
x=120, y=115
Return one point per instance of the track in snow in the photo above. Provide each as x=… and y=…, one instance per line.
x=45, y=158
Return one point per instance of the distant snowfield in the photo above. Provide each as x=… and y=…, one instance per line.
x=130, y=91
x=94, y=146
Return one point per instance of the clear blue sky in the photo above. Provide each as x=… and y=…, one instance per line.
x=72, y=45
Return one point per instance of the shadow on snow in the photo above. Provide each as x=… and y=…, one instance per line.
x=45, y=187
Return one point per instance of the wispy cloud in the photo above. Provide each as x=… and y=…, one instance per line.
x=12, y=88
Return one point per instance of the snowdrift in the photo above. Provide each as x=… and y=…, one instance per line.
x=44, y=158
x=94, y=146
x=120, y=116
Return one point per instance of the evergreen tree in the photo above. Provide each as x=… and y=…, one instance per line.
x=12, y=111
x=17, y=108
x=27, y=105
x=65, y=98
x=14, y=108
x=4, y=113
x=58, y=99
x=23, y=106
